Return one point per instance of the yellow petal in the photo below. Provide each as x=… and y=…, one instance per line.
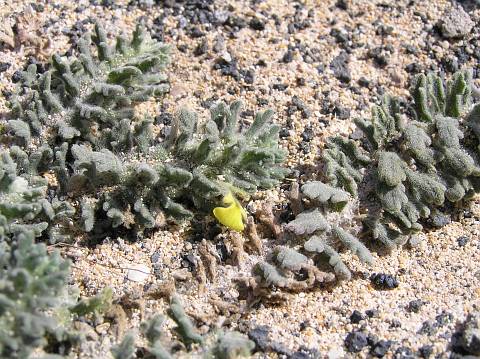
x=232, y=216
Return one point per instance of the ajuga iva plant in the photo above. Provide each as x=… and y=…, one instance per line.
x=91, y=96
x=31, y=279
x=107, y=159
x=322, y=227
x=37, y=307
x=410, y=163
x=221, y=345
x=196, y=166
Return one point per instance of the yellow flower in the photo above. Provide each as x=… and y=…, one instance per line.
x=233, y=216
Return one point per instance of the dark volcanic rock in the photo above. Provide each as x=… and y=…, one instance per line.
x=355, y=341
x=467, y=339
x=383, y=281
x=339, y=65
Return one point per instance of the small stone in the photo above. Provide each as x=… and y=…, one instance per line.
x=403, y=353
x=4, y=66
x=339, y=35
x=219, y=44
x=444, y=318
x=336, y=353
x=102, y=328
x=462, y=241
x=339, y=65
x=425, y=351
x=307, y=134
x=259, y=335
x=371, y=313
x=355, y=341
x=221, y=17
x=138, y=272
x=382, y=281
x=288, y=57
x=455, y=23
x=256, y=24
x=381, y=348
x=341, y=112
x=467, y=339
x=363, y=82
x=202, y=48
x=428, y=328
x=342, y=4
x=415, y=305
x=440, y=220
x=17, y=76
x=356, y=317
x=196, y=32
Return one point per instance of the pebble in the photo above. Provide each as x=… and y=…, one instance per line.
x=467, y=339
x=382, y=281
x=202, y=48
x=138, y=272
x=339, y=65
x=403, y=353
x=455, y=23
x=4, y=66
x=462, y=241
x=415, y=305
x=356, y=317
x=259, y=335
x=256, y=24
x=380, y=348
x=425, y=351
x=355, y=341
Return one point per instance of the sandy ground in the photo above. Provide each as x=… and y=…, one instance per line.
x=440, y=272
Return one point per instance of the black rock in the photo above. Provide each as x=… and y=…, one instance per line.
x=307, y=134
x=342, y=4
x=228, y=68
x=339, y=35
x=362, y=81
x=259, y=336
x=444, y=318
x=280, y=87
x=202, y=48
x=283, y=133
x=379, y=56
x=356, y=317
x=339, y=65
x=428, y=328
x=304, y=147
x=425, y=351
x=163, y=118
x=382, y=281
x=288, y=57
x=466, y=340
x=381, y=348
x=403, y=353
x=249, y=76
x=17, y=76
x=355, y=341
x=371, y=313
x=414, y=305
x=256, y=24
x=4, y=66
x=341, y=112
x=413, y=68
x=195, y=32
x=462, y=241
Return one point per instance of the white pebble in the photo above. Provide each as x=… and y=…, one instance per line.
x=138, y=272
